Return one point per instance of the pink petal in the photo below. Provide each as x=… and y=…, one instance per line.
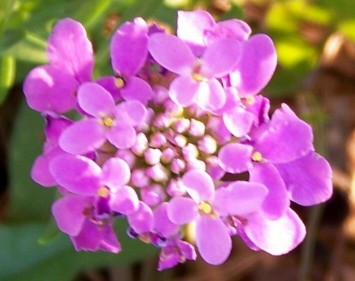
x=211, y=95
x=129, y=47
x=162, y=224
x=122, y=135
x=95, y=100
x=238, y=121
x=220, y=58
x=124, y=200
x=276, y=202
x=70, y=50
x=142, y=219
x=109, y=84
x=115, y=173
x=232, y=29
x=68, y=213
x=182, y=210
x=199, y=185
x=276, y=237
x=183, y=90
x=286, y=138
x=308, y=179
x=257, y=64
x=77, y=174
x=82, y=137
x=239, y=198
x=235, y=157
x=40, y=170
x=49, y=89
x=133, y=112
x=191, y=27
x=171, y=53
x=137, y=89
x=213, y=240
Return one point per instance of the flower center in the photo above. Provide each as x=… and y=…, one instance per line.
x=103, y=192
x=107, y=121
x=119, y=82
x=206, y=208
x=198, y=77
x=256, y=156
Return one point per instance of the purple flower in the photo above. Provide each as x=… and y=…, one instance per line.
x=197, y=82
x=107, y=121
x=155, y=143
x=84, y=177
x=40, y=170
x=75, y=217
x=129, y=50
x=272, y=143
x=208, y=208
x=53, y=87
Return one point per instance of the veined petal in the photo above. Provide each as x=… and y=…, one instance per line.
x=183, y=90
x=83, y=136
x=308, y=179
x=199, y=185
x=212, y=239
x=172, y=53
x=133, y=112
x=162, y=224
x=68, y=213
x=238, y=121
x=77, y=174
x=122, y=135
x=286, y=138
x=109, y=84
x=136, y=89
x=95, y=100
x=141, y=220
x=191, y=27
x=235, y=157
x=276, y=237
x=276, y=202
x=55, y=125
x=231, y=29
x=49, y=89
x=220, y=58
x=239, y=198
x=211, y=95
x=182, y=210
x=40, y=170
x=124, y=200
x=129, y=47
x=70, y=50
x=257, y=64
x=115, y=173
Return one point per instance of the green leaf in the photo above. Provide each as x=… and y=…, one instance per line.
x=23, y=258
x=7, y=75
x=28, y=201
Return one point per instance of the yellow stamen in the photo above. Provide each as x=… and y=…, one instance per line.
x=205, y=207
x=256, y=156
x=119, y=82
x=145, y=238
x=103, y=192
x=249, y=100
x=107, y=121
x=198, y=77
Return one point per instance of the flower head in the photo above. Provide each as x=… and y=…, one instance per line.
x=152, y=143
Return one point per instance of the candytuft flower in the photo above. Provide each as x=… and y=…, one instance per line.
x=153, y=142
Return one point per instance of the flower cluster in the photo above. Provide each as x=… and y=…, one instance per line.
x=162, y=142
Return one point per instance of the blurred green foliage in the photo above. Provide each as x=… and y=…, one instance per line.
x=24, y=28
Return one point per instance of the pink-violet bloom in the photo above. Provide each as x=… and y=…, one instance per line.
x=52, y=87
x=107, y=122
